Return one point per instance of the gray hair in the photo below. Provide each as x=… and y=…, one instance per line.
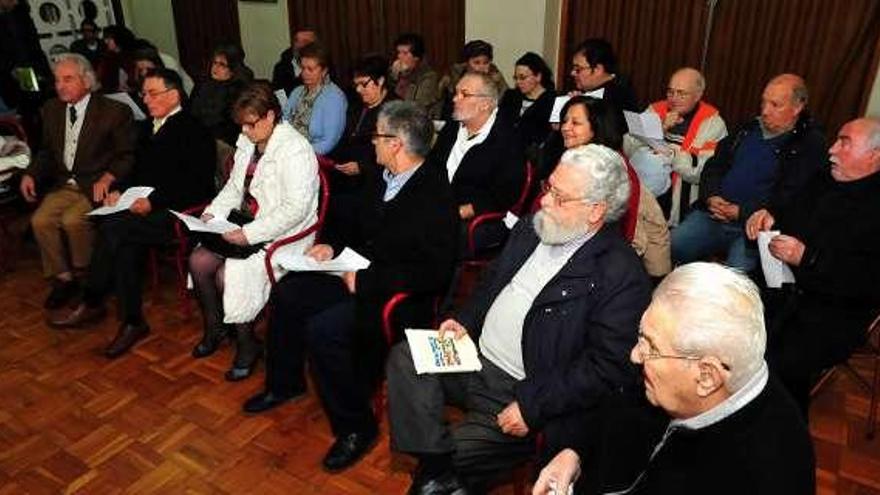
x=799, y=93
x=411, y=124
x=717, y=312
x=699, y=78
x=489, y=88
x=608, y=179
x=872, y=136
x=85, y=68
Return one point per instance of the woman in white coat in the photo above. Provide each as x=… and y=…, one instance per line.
x=275, y=182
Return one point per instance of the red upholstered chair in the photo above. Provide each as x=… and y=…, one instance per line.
x=518, y=208
x=631, y=217
x=314, y=228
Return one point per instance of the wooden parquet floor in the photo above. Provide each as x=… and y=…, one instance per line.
x=158, y=421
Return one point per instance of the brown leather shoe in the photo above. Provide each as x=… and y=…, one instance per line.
x=80, y=316
x=127, y=336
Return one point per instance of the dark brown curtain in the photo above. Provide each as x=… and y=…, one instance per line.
x=200, y=26
x=650, y=37
x=351, y=28
x=833, y=45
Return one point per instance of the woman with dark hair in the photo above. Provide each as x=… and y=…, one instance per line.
x=586, y=120
x=356, y=151
x=529, y=104
x=476, y=56
x=411, y=77
x=272, y=192
x=317, y=108
x=212, y=100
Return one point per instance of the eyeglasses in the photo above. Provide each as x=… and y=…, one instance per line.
x=676, y=93
x=465, y=94
x=377, y=135
x=363, y=83
x=577, y=69
x=154, y=94
x=558, y=198
x=251, y=124
x=521, y=77
x=647, y=351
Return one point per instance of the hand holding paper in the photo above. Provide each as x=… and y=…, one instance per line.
x=435, y=354
x=124, y=202
x=347, y=261
x=213, y=226
x=776, y=272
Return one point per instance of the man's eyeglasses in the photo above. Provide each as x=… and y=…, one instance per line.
x=577, y=69
x=676, y=93
x=376, y=135
x=154, y=94
x=362, y=83
x=465, y=94
x=647, y=351
x=558, y=198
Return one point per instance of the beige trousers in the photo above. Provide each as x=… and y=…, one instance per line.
x=63, y=210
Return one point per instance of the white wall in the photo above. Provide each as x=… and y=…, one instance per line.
x=153, y=20
x=873, y=109
x=264, y=34
x=264, y=31
x=512, y=26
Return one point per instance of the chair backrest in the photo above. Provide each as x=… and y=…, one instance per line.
x=324, y=203
x=631, y=217
x=520, y=207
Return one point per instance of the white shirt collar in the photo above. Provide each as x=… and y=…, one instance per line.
x=732, y=404
x=81, y=106
x=482, y=133
x=158, y=123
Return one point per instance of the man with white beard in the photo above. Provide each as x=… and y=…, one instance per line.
x=554, y=321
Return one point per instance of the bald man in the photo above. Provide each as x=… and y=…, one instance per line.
x=829, y=237
x=764, y=163
x=692, y=129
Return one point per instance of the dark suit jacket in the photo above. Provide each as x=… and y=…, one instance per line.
x=106, y=144
x=491, y=173
x=178, y=162
x=409, y=240
x=579, y=332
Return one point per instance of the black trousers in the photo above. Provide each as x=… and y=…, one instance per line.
x=807, y=336
x=480, y=450
x=315, y=313
x=119, y=259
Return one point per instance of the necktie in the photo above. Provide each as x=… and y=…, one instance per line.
x=72, y=115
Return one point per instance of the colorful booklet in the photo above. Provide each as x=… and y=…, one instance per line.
x=432, y=354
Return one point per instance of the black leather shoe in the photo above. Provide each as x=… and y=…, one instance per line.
x=62, y=292
x=347, y=449
x=265, y=401
x=444, y=484
x=128, y=336
x=211, y=340
x=239, y=371
x=80, y=316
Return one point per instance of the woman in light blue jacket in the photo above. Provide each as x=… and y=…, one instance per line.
x=317, y=108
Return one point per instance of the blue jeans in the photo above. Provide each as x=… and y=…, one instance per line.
x=699, y=236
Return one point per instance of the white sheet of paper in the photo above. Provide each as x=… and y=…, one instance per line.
x=646, y=127
x=433, y=355
x=347, y=261
x=125, y=201
x=558, y=103
x=510, y=220
x=125, y=98
x=282, y=97
x=214, y=225
x=776, y=272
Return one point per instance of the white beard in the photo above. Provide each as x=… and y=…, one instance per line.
x=553, y=233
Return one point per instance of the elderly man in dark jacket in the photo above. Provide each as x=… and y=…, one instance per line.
x=829, y=237
x=766, y=162
x=554, y=323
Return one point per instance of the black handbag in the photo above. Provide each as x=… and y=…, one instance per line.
x=217, y=244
